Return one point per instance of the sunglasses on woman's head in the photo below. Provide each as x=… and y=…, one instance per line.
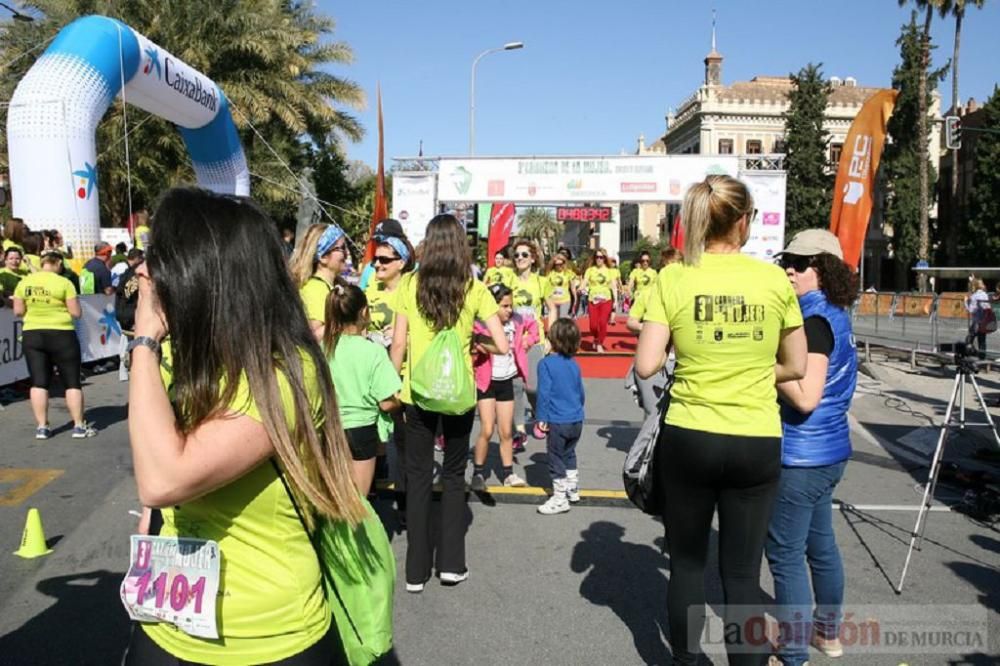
x=795, y=262
x=378, y=259
x=523, y=255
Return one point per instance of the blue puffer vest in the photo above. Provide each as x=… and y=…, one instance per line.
x=824, y=437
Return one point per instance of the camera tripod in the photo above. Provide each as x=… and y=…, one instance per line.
x=966, y=373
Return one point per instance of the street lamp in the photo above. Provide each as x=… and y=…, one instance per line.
x=16, y=15
x=509, y=46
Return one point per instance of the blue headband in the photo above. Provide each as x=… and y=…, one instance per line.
x=329, y=238
x=396, y=244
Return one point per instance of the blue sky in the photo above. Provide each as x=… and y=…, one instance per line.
x=595, y=74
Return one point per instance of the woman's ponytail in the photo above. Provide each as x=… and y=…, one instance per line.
x=345, y=305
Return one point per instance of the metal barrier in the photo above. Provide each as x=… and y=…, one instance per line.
x=916, y=320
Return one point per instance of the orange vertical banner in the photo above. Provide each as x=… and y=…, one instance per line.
x=852, y=193
x=380, y=209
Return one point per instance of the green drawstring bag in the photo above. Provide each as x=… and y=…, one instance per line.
x=359, y=577
x=442, y=381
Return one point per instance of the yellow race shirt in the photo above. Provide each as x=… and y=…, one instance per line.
x=643, y=278
x=528, y=294
x=381, y=305
x=640, y=304
x=313, y=294
x=598, y=282
x=271, y=603
x=9, y=280
x=479, y=304
x=559, y=286
x=498, y=275
x=725, y=317
x=45, y=295
x=142, y=233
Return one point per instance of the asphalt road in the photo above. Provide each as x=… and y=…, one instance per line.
x=586, y=587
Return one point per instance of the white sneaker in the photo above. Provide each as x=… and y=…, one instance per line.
x=555, y=504
x=514, y=481
x=573, y=495
x=448, y=578
x=415, y=588
x=572, y=485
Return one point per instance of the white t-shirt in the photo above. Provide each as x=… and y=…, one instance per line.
x=504, y=366
x=117, y=271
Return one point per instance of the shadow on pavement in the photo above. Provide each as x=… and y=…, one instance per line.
x=86, y=625
x=629, y=579
x=619, y=437
x=107, y=415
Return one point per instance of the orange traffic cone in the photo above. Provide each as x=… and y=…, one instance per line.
x=33, y=539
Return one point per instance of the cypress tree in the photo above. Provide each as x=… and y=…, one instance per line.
x=808, y=195
x=982, y=240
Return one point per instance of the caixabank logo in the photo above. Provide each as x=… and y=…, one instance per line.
x=87, y=180
x=152, y=62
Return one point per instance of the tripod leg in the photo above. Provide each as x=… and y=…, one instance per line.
x=986, y=411
x=925, y=503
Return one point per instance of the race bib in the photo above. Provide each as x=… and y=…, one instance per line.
x=175, y=580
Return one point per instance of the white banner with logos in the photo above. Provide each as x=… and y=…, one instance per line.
x=637, y=178
x=767, y=234
x=414, y=197
x=98, y=331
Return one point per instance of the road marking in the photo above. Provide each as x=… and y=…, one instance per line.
x=28, y=482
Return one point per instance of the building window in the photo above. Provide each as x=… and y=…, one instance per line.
x=754, y=147
x=835, y=150
x=725, y=146
x=780, y=146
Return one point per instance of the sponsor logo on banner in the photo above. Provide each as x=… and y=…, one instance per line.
x=495, y=188
x=152, y=62
x=857, y=170
x=193, y=90
x=675, y=187
x=88, y=179
x=109, y=324
x=532, y=190
x=575, y=184
x=771, y=218
x=638, y=187
x=461, y=178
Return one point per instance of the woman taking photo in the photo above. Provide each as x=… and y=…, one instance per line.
x=315, y=265
x=801, y=546
x=48, y=303
x=442, y=295
x=253, y=393
x=736, y=329
x=977, y=304
x=601, y=282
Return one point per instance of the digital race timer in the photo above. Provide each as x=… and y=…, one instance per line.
x=583, y=214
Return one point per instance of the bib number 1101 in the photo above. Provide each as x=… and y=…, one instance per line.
x=181, y=591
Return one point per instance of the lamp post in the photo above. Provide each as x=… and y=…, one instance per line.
x=16, y=15
x=509, y=46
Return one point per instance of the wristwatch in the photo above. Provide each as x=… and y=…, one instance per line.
x=140, y=341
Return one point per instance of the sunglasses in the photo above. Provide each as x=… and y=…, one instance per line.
x=601, y=256
x=795, y=262
x=377, y=259
x=339, y=248
x=559, y=264
x=522, y=255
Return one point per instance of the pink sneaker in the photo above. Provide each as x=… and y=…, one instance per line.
x=519, y=439
x=439, y=443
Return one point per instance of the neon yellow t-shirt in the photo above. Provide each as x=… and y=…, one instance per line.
x=599, y=281
x=479, y=304
x=499, y=275
x=725, y=317
x=643, y=278
x=640, y=304
x=271, y=604
x=9, y=280
x=45, y=295
x=528, y=294
x=559, y=286
x=313, y=294
x=382, y=305
x=30, y=263
x=142, y=233
x=7, y=243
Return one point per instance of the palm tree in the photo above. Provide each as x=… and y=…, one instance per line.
x=539, y=224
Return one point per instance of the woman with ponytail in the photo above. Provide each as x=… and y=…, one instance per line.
x=252, y=405
x=736, y=329
x=315, y=264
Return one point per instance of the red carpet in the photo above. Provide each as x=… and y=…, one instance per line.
x=620, y=349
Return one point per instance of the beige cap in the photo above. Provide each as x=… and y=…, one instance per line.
x=811, y=242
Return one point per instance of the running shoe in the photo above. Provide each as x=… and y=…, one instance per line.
x=415, y=588
x=831, y=647
x=451, y=579
x=519, y=439
x=478, y=483
x=43, y=432
x=555, y=504
x=439, y=443
x=83, y=431
x=573, y=494
x=514, y=481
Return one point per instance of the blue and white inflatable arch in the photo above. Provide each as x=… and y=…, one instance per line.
x=57, y=105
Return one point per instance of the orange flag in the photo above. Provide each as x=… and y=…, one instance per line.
x=380, y=209
x=852, y=193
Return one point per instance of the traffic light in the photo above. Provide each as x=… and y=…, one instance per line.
x=952, y=132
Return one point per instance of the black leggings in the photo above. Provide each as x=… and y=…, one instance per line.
x=700, y=472
x=142, y=651
x=45, y=348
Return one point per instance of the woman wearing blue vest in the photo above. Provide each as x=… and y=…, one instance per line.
x=816, y=445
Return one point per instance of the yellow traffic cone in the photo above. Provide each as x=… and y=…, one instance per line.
x=33, y=539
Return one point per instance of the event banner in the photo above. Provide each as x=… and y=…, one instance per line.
x=98, y=330
x=767, y=233
x=577, y=179
x=852, y=193
x=414, y=197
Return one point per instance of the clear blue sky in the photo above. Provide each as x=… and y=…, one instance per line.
x=595, y=74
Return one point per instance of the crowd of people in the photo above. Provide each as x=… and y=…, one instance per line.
x=323, y=372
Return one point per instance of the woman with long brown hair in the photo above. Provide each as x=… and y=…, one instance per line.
x=441, y=295
x=315, y=265
x=250, y=388
x=601, y=282
x=736, y=329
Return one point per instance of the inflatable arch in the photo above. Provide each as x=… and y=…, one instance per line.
x=57, y=105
